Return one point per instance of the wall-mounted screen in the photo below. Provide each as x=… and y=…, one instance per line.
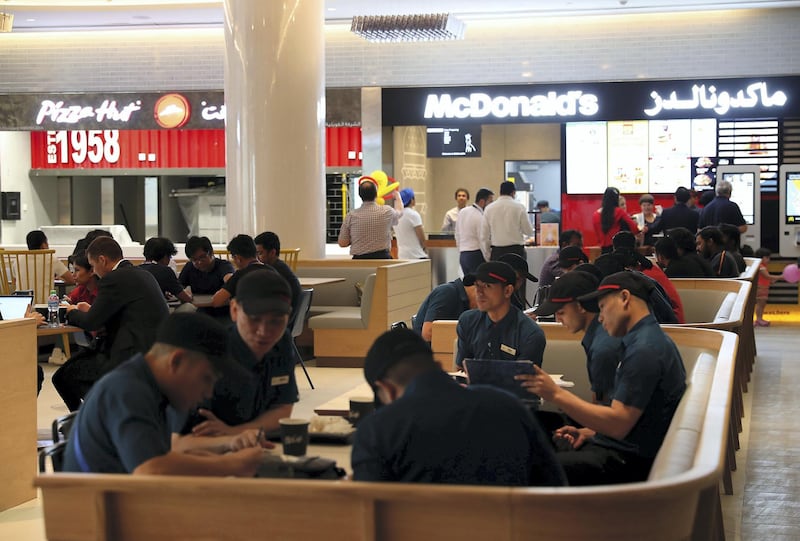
x=627, y=156
x=587, y=157
x=461, y=142
x=793, y=198
x=670, y=148
x=743, y=193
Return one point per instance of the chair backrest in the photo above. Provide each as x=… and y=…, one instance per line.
x=224, y=254
x=290, y=257
x=302, y=311
x=28, y=269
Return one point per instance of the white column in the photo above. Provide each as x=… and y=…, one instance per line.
x=275, y=120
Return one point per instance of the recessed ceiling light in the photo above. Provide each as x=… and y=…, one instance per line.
x=30, y=20
x=331, y=9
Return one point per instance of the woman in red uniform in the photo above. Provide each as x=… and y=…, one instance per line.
x=610, y=220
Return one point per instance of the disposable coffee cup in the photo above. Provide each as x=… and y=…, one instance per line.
x=294, y=436
x=360, y=407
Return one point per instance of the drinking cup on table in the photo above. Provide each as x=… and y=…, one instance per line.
x=360, y=407
x=294, y=436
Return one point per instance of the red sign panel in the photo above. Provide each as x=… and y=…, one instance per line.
x=127, y=149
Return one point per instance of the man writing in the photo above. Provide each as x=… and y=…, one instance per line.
x=497, y=329
x=620, y=441
x=433, y=430
x=368, y=229
x=122, y=426
x=265, y=390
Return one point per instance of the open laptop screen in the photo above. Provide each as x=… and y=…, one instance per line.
x=14, y=306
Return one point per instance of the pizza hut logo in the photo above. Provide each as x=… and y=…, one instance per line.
x=172, y=111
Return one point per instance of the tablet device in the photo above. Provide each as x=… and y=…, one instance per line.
x=14, y=306
x=500, y=374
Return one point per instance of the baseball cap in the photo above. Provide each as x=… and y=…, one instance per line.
x=571, y=255
x=636, y=284
x=406, y=194
x=389, y=349
x=492, y=272
x=567, y=289
x=200, y=333
x=519, y=265
x=264, y=291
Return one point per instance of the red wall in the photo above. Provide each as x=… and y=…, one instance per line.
x=577, y=211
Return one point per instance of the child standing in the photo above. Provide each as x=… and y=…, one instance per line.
x=764, y=281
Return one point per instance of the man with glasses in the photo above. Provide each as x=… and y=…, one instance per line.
x=204, y=273
x=497, y=329
x=265, y=389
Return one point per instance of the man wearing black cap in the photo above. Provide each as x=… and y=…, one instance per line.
x=446, y=301
x=520, y=266
x=603, y=352
x=497, y=329
x=650, y=382
x=570, y=257
x=122, y=426
x=433, y=430
x=265, y=390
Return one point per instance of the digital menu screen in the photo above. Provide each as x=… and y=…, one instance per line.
x=743, y=193
x=792, y=198
x=461, y=142
x=628, y=161
x=587, y=157
x=703, y=172
x=670, y=147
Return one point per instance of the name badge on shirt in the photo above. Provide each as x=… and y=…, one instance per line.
x=279, y=380
x=508, y=349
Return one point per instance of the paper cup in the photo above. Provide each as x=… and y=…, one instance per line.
x=360, y=407
x=294, y=436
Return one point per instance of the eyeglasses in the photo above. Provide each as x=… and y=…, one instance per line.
x=205, y=257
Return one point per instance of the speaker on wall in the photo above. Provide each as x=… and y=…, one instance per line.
x=11, y=206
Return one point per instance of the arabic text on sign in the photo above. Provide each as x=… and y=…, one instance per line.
x=76, y=146
x=722, y=102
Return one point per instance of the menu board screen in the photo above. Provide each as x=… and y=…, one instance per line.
x=670, y=147
x=587, y=157
x=461, y=142
x=628, y=156
x=793, y=198
x=743, y=193
x=704, y=137
x=703, y=172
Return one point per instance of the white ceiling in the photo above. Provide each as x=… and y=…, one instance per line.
x=45, y=15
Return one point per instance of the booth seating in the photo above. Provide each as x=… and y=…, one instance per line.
x=679, y=501
x=343, y=331
x=747, y=336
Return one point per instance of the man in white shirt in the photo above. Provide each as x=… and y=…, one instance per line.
x=450, y=218
x=468, y=232
x=505, y=225
x=408, y=231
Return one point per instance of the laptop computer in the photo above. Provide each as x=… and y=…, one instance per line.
x=14, y=306
x=498, y=373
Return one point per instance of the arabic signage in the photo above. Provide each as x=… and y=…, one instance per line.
x=127, y=149
x=636, y=100
x=113, y=111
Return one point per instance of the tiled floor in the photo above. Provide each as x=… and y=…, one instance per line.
x=766, y=502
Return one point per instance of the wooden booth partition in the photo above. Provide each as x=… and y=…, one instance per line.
x=18, y=404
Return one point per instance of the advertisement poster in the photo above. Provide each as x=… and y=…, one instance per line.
x=628, y=162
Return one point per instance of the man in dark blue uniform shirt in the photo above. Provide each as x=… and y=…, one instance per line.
x=649, y=383
x=446, y=301
x=122, y=426
x=497, y=329
x=679, y=215
x=268, y=251
x=265, y=390
x=433, y=430
x=721, y=210
x=603, y=352
x=204, y=273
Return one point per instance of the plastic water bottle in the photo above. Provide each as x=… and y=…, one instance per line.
x=52, y=309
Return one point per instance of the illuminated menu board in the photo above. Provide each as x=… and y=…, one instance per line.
x=627, y=156
x=587, y=157
x=670, y=148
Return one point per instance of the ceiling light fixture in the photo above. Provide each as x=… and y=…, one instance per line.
x=6, y=21
x=430, y=27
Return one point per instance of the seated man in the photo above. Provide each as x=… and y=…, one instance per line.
x=446, y=301
x=122, y=426
x=710, y=247
x=24, y=279
x=265, y=390
x=520, y=266
x=497, y=329
x=268, y=251
x=620, y=441
x=204, y=273
x=243, y=255
x=157, y=252
x=603, y=352
x=550, y=268
x=686, y=245
x=570, y=257
x=433, y=430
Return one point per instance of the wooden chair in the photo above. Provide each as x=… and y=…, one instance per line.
x=27, y=269
x=290, y=257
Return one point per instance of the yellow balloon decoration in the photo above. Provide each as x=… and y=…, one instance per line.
x=386, y=185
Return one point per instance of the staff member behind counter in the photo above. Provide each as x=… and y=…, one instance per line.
x=122, y=426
